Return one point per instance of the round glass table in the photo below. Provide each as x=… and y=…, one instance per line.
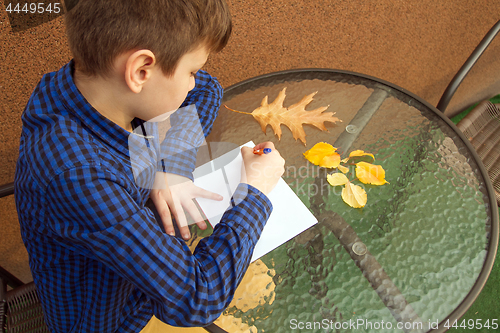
x=413, y=259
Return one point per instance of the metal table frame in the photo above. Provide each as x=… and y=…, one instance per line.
x=361, y=119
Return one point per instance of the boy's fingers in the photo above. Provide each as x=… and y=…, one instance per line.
x=166, y=220
x=185, y=233
x=202, y=225
x=193, y=211
x=267, y=144
x=180, y=217
x=247, y=150
x=164, y=212
x=202, y=193
x=195, y=214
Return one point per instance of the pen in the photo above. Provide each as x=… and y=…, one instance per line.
x=262, y=151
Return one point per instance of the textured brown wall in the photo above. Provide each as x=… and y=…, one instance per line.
x=418, y=45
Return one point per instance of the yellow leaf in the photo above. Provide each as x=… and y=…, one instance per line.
x=275, y=114
x=324, y=155
x=256, y=289
x=336, y=179
x=343, y=169
x=360, y=153
x=331, y=161
x=370, y=174
x=354, y=195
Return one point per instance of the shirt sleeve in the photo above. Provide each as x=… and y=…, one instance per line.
x=96, y=214
x=190, y=124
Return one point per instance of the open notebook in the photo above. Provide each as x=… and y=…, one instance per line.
x=289, y=218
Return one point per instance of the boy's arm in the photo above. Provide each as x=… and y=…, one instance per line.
x=190, y=125
x=177, y=155
x=94, y=212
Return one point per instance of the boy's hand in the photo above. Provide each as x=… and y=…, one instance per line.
x=174, y=193
x=262, y=171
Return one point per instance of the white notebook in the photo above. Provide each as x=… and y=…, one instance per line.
x=289, y=217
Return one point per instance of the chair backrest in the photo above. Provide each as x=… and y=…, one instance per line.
x=20, y=307
x=482, y=127
x=24, y=311
x=6, y=190
x=466, y=67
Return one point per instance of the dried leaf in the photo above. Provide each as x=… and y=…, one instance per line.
x=336, y=179
x=331, y=161
x=354, y=195
x=370, y=174
x=324, y=155
x=360, y=153
x=294, y=117
x=343, y=169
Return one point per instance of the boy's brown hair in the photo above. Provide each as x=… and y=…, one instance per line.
x=100, y=30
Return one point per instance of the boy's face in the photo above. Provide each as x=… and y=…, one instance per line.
x=166, y=94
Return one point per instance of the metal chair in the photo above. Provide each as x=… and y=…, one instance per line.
x=20, y=307
x=482, y=125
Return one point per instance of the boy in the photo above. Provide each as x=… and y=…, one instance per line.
x=100, y=261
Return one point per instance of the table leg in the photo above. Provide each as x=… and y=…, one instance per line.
x=358, y=123
x=373, y=272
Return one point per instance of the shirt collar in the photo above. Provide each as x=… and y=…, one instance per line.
x=105, y=129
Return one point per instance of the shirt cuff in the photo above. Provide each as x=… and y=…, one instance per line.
x=180, y=159
x=253, y=210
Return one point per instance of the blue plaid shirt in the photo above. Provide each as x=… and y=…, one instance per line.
x=99, y=259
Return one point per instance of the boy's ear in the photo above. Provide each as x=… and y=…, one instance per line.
x=138, y=69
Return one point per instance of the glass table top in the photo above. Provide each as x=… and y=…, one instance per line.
x=414, y=257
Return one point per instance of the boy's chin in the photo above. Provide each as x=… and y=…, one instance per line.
x=161, y=117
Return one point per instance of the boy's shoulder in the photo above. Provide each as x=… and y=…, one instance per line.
x=60, y=132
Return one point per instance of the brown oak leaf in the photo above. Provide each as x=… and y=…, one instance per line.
x=293, y=117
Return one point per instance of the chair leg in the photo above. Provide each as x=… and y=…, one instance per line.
x=10, y=279
x=3, y=305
